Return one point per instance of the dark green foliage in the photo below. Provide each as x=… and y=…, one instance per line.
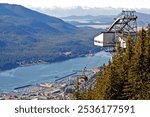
x=128, y=75
x=27, y=37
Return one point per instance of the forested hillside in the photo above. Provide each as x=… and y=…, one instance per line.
x=30, y=37
x=127, y=75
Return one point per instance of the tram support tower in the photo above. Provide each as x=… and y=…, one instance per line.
x=125, y=24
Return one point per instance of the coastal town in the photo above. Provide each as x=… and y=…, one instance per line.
x=61, y=89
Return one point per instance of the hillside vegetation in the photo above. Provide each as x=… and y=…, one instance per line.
x=127, y=76
x=28, y=37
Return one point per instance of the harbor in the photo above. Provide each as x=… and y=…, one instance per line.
x=63, y=89
x=40, y=73
x=51, y=81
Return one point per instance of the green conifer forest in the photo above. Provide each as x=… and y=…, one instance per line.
x=127, y=75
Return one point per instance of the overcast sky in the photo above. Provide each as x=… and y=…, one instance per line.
x=84, y=3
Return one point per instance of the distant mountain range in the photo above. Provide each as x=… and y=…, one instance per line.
x=143, y=19
x=82, y=11
x=15, y=15
x=28, y=37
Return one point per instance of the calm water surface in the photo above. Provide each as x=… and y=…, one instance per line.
x=48, y=72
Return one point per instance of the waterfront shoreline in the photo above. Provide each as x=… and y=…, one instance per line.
x=63, y=89
x=46, y=62
x=49, y=72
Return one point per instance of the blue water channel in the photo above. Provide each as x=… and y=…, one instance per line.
x=48, y=72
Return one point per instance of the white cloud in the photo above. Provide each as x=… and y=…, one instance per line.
x=83, y=3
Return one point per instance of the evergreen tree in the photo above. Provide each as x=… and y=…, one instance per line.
x=146, y=79
x=77, y=93
x=127, y=87
x=137, y=69
x=103, y=85
x=127, y=76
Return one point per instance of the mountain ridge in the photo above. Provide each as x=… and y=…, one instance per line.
x=78, y=10
x=143, y=18
x=22, y=12
x=26, y=38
